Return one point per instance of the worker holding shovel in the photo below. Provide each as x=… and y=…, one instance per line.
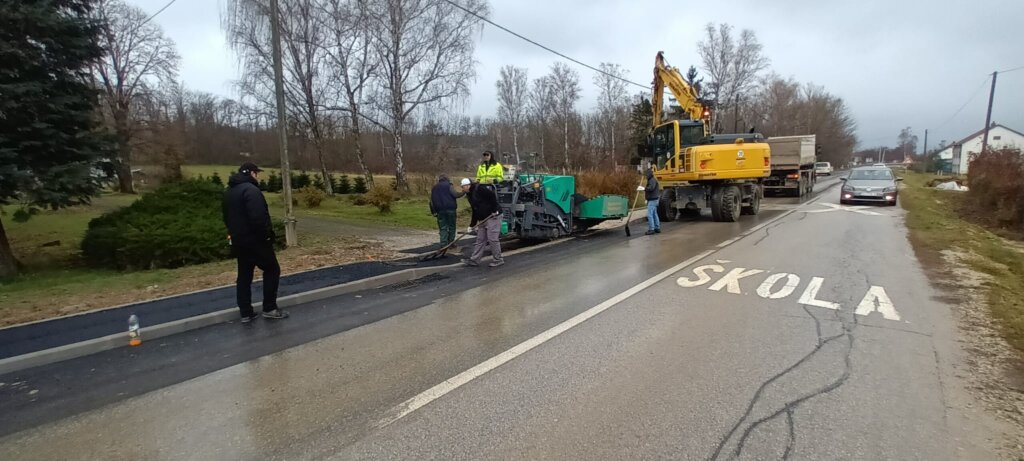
x=486, y=212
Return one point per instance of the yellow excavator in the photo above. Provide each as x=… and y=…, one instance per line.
x=698, y=169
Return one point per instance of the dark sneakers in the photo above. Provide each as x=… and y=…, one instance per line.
x=249, y=318
x=275, y=314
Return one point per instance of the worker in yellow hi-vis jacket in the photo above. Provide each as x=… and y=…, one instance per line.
x=489, y=171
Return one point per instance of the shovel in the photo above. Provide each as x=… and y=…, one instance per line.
x=629, y=214
x=441, y=251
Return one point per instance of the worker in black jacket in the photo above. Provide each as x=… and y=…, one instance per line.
x=443, y=205
x=247, y=218
x=486, y=211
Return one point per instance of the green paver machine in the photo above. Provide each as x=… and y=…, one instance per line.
x=545, y=207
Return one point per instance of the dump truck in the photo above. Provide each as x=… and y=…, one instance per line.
x=546, y=207
x=793, y=160
x=695, y=168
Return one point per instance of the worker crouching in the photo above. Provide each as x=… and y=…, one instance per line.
x=487, y=219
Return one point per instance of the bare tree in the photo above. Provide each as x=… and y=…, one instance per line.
x=349, y=51
x=611, y=104
x=424, y=51
x=512, y=91
x=542, y=108
x=733, y=65
x=137, y=53
x=565, y=84
x=307, y=81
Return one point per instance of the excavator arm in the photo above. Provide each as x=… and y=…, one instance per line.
x=666, y=76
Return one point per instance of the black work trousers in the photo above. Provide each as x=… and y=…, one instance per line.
x=249, y=258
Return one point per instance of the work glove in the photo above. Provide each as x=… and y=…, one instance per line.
x=640, y=188
x=469, y=230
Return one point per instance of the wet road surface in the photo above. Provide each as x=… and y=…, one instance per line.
x=807, y=332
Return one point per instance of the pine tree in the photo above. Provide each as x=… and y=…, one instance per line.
x=343, y=185
x=216, y=179
x=360, y=186
x=50, y=148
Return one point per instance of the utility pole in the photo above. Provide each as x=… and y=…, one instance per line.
x=988, y=115
x=291, y=239
x=925, y=150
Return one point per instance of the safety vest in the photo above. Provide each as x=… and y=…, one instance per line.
x=487, y=175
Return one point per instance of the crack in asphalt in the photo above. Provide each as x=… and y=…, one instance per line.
x=789, y=407
x=791, y=427
x=768, y=234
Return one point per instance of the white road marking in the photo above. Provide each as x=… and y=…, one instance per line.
x=731, y=281
x=765, y=290
x=809, y=298
x=449, y=385
x=722, y=261
x=876, y=300
x=460, y=379
x=729, y=242
x=836, y=207
x=702, y=276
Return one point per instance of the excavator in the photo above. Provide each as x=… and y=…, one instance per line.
x=698, y=169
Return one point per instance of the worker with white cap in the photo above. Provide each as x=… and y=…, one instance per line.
x=487, y=212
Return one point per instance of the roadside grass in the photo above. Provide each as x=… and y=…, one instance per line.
x=936, y=223
x=51, y=238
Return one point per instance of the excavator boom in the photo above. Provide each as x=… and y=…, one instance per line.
x=686, y=95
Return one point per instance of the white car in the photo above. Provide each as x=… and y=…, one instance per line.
x=823, y=168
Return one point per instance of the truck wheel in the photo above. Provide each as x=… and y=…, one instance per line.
x=726, y=200
x=755, y=203
x=667, y=210
x=716, y=203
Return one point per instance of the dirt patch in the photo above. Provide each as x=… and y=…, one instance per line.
x=996, y=369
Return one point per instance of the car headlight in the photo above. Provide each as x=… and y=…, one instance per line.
x=849, y=188
x=890, y=189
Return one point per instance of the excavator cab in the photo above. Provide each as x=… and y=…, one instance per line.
x=669, y=139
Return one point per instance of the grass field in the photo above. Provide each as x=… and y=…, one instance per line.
x=936, y=225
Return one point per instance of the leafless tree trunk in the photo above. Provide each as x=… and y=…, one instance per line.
x=565, y=84
x=424, y=49
x=512, y=91
x=308, y=80
x=351, y=67
x=542, y=106
x=612, y=102
x=137, y=54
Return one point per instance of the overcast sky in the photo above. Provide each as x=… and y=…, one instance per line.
x=896, y=63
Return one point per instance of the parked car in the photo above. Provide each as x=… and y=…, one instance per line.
x=823, y=169
x=871, y=184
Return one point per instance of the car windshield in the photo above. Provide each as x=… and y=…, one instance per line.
x=821, y=164
x=877, y=175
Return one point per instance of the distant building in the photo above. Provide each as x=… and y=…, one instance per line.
x=959, y=153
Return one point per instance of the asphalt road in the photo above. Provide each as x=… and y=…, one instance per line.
x=807, y=332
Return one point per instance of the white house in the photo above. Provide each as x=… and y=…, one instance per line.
x=960, y=153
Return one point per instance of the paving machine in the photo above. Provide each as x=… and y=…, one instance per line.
x=545, y=207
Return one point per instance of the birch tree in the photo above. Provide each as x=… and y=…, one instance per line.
x=541, y=109
x=512, y=94
x=424, y=55
x=611, y=104
x=565, y=85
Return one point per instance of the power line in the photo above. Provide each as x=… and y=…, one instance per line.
x=544, y=47
x=973, y=95
x=1010, y=70
x=161, y=10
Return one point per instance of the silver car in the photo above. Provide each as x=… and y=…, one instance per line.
x=871, y=184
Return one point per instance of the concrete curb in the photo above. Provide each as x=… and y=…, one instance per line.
x=92, y=346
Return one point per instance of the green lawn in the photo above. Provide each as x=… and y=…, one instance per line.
x=936, y=225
